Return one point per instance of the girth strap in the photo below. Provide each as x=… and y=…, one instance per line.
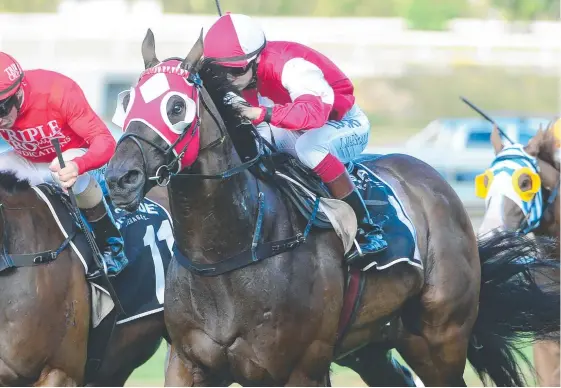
x=258, y=252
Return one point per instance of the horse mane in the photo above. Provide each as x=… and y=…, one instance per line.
x=216, y=82
x=549, y=148
x=11, y=184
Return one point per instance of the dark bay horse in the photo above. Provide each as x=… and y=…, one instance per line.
x=521, y=191
x=275, y=322
x=45, y=309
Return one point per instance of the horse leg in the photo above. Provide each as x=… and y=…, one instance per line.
x=184, y=373
x=116, y=380
x=447, y=344
x=9, y=377
x=54, y=378
x=415, y=351
x=178, y=373
x=130, y=346
x=168, y=355
x=313, y=368
x=546, y=361
x=300, y=379
x=439, y=322
x=49, y=377
x=377, y=368
x=439, y=354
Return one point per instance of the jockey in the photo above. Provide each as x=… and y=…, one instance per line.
x=303, y=101
x=39, y=105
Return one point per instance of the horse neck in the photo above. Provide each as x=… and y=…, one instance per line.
x=20, y=213
x=214, y=218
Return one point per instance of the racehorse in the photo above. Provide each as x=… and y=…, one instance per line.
x=521, y=191
x=261, y=320
x=46, y=310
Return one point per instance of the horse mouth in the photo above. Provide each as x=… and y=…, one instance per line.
x=128, y=205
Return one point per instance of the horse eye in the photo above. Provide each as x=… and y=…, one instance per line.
x=178, y=107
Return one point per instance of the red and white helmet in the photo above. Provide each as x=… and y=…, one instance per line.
x=11, y=75
x=234, y=40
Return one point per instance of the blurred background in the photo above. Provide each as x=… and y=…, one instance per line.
x=410, y=60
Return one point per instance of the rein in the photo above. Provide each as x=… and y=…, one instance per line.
x=166, y=172
x=11, y=260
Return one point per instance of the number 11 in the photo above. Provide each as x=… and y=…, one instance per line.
x=164, y=234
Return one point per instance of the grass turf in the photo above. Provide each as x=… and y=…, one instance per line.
x=152, y=373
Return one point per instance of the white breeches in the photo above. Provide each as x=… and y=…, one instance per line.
x=38, y=173
x=345, y=139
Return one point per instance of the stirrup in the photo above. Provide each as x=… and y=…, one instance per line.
x=98, y=272
x=353, y=254
x=113, y=253
x=375, y=224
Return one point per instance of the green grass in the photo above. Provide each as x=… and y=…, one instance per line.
x=152, y=373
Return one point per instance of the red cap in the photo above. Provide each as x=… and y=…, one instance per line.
x=11, y=75
x=234, y=40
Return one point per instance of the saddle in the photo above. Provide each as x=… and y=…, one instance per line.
x=303, y=188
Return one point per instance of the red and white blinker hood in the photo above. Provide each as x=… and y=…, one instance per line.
x=148, y=101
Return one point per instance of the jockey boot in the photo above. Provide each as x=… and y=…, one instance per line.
x=108, y=239
x=369, y=235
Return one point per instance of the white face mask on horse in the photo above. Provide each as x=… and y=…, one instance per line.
x=513, y=175
x=147, y=103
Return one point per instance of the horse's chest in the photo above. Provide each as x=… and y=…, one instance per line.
x=248, y=356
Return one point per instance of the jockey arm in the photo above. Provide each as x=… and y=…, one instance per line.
x=86, y=123
x=312, y=98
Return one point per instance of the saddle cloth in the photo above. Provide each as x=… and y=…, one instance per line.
x=385, y=207
x=148, y=238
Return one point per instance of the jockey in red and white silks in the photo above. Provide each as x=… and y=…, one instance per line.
x=39, y=105
x=304, y=100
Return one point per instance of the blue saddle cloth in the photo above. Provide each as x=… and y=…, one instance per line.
x=386, y=209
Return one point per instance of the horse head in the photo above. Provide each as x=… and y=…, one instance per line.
x=160, y=117
x=515, y=185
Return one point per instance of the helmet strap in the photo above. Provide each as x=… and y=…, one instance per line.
x=19, y=102
x=253, y=83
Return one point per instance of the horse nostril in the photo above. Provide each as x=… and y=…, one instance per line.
x=131, y=178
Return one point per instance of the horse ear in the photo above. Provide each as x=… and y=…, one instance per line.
x=535, y=144
x=496, y=140
x=149, y=50
x=194, y=57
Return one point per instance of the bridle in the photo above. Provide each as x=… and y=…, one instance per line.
x=165, y=172
x=527, y=225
